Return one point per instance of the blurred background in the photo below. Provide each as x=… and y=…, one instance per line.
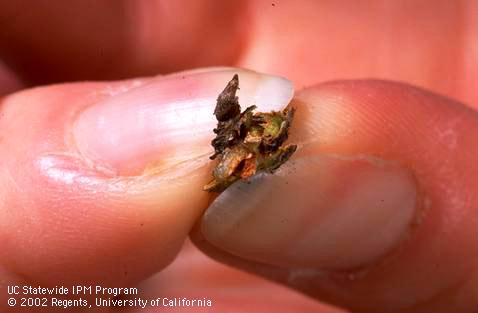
x=425, y=43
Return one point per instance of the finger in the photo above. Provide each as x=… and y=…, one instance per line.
x=49, y=41
x=375, y=211
x=195, y=276
x=104, y=190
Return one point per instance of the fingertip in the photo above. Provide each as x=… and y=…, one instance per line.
x=424, y=134
x=85, y=214
x=169, y=119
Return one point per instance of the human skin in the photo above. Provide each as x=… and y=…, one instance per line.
x=67, y=217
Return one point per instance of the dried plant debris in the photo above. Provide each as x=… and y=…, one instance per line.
x=247, y=142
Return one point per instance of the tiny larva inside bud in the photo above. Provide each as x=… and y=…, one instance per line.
x=247, y=142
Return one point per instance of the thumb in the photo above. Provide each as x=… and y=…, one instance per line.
x=376, y=212
x=102, y=182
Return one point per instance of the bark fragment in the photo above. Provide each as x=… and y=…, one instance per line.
x=247, y=142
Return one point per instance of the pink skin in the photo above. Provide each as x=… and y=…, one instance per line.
x=65, y=216
x=372, y=118
x=86, y=225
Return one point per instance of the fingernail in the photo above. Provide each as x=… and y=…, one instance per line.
x=324, y=212
x=169, y=119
